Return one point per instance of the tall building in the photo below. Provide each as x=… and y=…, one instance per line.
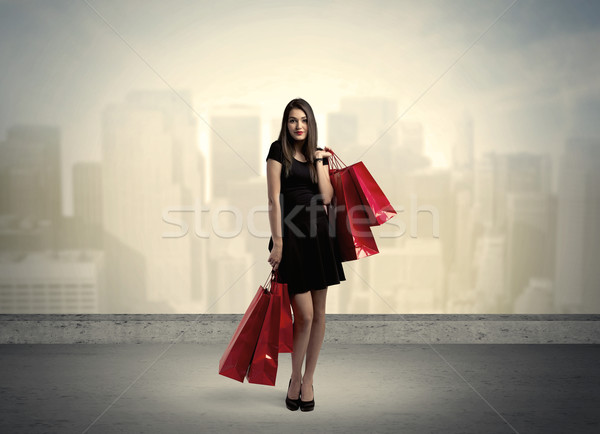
x=519, y=173
x=578, y=236
x=235, y=147
x=513, y=197
x=460, y=273
x=30, y=163
x=467, y=207
x=529, y=240
x=151, y=176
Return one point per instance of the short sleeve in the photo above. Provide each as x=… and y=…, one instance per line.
x=275, y=152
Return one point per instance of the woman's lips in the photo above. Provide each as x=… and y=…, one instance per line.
x=299, y=132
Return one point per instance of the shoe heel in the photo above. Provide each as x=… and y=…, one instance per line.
x=308, y=405
x=291, y=404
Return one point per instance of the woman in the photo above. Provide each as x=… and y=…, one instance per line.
x=302, y=246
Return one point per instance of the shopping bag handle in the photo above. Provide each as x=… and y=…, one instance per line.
x=267, y=285
x=271, y=278
x=337, y=161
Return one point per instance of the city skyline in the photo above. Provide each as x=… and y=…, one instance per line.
x=478, y=120
x=478, y=236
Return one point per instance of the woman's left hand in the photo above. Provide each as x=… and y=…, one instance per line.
x=327, y=152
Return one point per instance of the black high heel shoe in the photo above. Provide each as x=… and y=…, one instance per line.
x=308, y=405
x=292, y=404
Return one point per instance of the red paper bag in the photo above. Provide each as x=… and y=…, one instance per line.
x=263, y=367
x=353, y=234
x=286, y=327
x=378, y=206
x=236, y=359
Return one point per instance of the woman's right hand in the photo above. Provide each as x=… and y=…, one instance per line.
x=275, y=256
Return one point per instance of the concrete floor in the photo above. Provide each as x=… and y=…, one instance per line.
x=175, y=388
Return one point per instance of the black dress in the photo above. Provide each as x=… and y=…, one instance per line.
x=310, y=258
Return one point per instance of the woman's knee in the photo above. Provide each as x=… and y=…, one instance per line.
x=304, y=319
x=318, y=317
x=303, y=310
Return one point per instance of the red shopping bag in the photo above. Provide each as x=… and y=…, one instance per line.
x=370, y=193
x=237, y=357
x=353, y=234
x=286, y=327
x=370, y=197
x=263, y=367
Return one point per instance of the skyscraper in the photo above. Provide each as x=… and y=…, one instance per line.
x=151, y=175
x=529, y=240
x=578, y=236
x=30, y=164
x=235, y=147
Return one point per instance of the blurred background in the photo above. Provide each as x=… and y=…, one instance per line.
x=133, y=138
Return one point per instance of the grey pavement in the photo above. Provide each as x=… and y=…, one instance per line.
x=401, y=388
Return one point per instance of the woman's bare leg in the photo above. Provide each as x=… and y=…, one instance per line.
x=302, y=304
x=317, y=333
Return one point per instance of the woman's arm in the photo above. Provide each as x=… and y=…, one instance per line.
x=273, y=190
x=325, y=187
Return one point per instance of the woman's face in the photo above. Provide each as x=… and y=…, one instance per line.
x=297, y=124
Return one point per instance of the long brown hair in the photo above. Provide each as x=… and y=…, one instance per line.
x=310, y=142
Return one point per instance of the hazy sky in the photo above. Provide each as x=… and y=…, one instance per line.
x=529, y=82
